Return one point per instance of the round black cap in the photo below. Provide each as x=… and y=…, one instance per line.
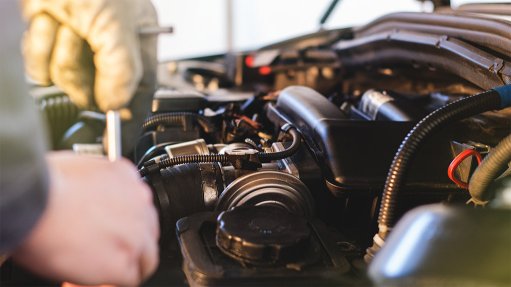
x=262, y=235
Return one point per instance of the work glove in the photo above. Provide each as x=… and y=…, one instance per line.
x=65, y=35
x=95, y=51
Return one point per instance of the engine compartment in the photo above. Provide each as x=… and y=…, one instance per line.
x=283, y=185
x=272, y=166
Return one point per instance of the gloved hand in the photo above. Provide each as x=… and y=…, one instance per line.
x=92, y=49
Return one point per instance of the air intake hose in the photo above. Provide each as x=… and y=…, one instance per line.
x=491, y=168
x=495, y=99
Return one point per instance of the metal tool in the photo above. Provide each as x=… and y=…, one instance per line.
x=156, y=30
x=113, y=131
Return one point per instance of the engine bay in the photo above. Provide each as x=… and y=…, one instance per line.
x=283, y=185
x=291, y=164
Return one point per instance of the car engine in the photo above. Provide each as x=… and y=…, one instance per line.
x=291, y=164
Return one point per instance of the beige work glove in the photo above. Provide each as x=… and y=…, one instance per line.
x=91, y=49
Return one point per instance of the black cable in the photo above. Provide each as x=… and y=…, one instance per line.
x=193, y=158
x=495, y=99
x=295, y=145
x=169, y=119
x=156, y=166
x=180, y=118
x=152, y=152
x=458, y=110
x=328, y=12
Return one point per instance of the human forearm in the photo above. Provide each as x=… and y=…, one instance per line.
x=23, y=186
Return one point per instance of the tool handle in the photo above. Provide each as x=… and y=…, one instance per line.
x=113, y=131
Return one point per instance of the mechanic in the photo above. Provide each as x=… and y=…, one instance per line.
x=66, y=217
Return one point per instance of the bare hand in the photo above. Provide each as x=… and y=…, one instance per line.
x=100, y=226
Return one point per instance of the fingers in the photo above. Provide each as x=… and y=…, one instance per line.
x=149, y=258
x=38, y=44
x=114, y=39
x=110, y=28
x=139, y=253
x=147, y=17
x=54, y=53
x=115, y=84
x=145, y=244
x=55, y=8
x=71, y=67
x=137, y=266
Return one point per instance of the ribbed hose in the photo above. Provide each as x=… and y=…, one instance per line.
x=168, y=119
x=474, y=105
x=489, y=170
x=61, y=114
x=194, y=158
x=224, y=159
x=497, y=98
x=184, y=159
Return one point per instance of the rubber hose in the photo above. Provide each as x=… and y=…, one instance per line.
x=224, y=159
x=490, y=100
x=194, y=158
x=198, y=158
x=489, y=170
x=295, y=145
x=168, y=119
x=184, y=159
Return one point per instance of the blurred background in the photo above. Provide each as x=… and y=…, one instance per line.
x=205, y=27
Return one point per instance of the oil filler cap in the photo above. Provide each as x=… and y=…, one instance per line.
x=262, y=235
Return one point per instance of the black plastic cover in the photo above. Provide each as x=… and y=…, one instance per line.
x=355, y=155
x=206, y=265
x=167, y=100
x=306, y=108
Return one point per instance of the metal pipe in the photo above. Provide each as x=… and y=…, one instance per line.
x=113, y=132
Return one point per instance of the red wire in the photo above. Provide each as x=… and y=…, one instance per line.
x=249, y=121
x=457, y=161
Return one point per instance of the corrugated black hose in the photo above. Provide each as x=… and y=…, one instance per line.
x=489, y=170
x=156, y=166
x=495, y=99
x=176, y=119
